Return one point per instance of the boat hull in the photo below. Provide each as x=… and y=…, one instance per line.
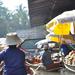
x=70, y=67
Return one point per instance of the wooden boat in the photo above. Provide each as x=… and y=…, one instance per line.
x=52, y=67
x=69, y=61
x=37, y=63
x=70, y=67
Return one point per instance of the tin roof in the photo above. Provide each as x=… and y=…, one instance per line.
x=32, y=33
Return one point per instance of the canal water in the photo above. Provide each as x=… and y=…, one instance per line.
x=47, y=73
x=62, y=71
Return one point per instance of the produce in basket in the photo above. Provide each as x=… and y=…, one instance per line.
x=70, y=58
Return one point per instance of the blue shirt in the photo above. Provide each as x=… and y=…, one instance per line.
x=65, y=49
x=14, y=60
x=46, y=58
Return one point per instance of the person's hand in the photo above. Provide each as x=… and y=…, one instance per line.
x=1, y=66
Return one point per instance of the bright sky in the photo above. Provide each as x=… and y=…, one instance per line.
x=12, y=4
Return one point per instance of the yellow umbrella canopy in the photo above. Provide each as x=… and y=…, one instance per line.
x=64, y=39
x=54, y=38
x=69, y=39
x=67, y=16
x=62, y=29
x=61, y=23
x=59, y=28
x=50, y=25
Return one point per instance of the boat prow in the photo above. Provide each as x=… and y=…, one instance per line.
x=70, y=67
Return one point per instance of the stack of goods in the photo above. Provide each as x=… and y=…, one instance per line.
x=70, y=58
x=36, y=60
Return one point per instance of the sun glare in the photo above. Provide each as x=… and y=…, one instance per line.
x=12, y=4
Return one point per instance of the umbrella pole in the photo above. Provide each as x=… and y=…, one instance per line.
x=62, y=55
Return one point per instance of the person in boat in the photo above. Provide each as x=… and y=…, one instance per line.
x=13, y=57
x=46, y=58
x=65, y=48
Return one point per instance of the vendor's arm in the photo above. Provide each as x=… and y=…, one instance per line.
x=2, y=53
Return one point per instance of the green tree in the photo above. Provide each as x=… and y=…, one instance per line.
x=20, y=18
x=3, y=18
x=12, y=21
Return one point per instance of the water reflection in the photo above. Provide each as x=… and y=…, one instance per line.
x=62, y=71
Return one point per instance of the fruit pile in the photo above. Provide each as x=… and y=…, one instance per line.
x=70, y=58
x=36, y=60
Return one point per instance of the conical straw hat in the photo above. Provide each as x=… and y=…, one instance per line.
x=12, y=39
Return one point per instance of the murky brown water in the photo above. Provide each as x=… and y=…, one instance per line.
x=60, y=72
x=47, y=73
x=66, y=72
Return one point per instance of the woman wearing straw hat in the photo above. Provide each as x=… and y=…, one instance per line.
x=13, y=57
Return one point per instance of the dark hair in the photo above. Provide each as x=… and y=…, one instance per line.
x=12, y=46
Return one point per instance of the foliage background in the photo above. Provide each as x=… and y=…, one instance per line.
x=13, y=21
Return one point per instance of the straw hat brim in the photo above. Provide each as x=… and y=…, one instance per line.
x=7, y=42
